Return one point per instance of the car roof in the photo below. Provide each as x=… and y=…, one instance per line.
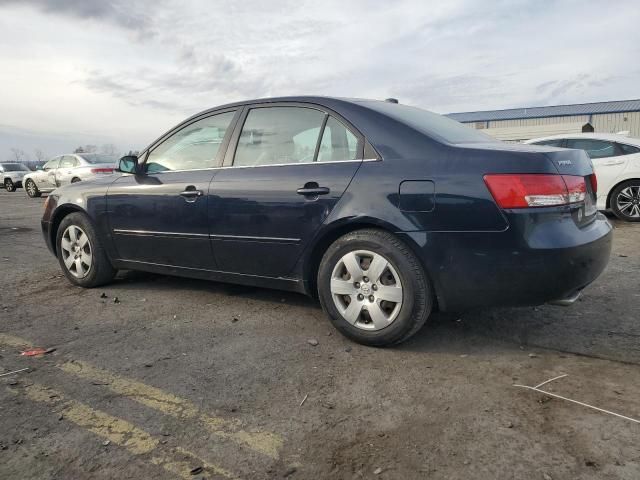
x=611, y=137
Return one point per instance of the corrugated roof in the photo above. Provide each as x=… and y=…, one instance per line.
x=554, y=111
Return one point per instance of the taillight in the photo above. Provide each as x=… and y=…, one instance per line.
x=594, y=182
x=535, y=190
x=102, y=170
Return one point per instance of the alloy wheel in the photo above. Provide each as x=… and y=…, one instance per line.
x=628, y=201
x=31, y=188
x=76, y=251
x=366, y=290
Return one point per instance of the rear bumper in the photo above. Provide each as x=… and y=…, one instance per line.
x=538, y=259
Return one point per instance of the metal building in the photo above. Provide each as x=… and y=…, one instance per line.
x=518, y=124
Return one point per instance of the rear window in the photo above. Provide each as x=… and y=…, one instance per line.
x=14, y=167
x=628, y=149
x=431, y=124
x=99, y=158
x=551, y=143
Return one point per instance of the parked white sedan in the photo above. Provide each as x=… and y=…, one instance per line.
x=65, y=169
x=616, y=161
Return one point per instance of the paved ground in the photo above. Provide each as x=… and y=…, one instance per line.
x=183, y=375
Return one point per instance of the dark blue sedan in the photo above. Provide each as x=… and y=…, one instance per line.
x=386, y=212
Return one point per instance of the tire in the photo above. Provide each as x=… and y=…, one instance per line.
x=75, y=179
x=32, y=189
x=625, y=201
x=94, y=268
x=399, y=320
x=9, y=185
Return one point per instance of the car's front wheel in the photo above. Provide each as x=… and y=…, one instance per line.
x=9, y=185
x=32, y=189
x=625, y=201
x=373, y=288
x=80, y=253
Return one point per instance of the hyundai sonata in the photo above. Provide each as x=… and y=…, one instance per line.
x=386, y=212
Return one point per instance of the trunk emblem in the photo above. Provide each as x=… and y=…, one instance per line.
x=564, y=162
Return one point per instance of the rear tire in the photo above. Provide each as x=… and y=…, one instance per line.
x=389, y=307
x=625, y=201
x=80, y=253
x=9, y=185
x=32, y=189
x=75, y=179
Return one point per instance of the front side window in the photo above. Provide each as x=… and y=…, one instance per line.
x=278, y=135
x=594, y=148
x=51, y=164
x=628, y=149
x=338, y=143
x=194, y=147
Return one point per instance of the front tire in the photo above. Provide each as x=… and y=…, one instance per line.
x=80, y=253
x=32, y=189
x=75, y=180
x=625, y=201
x=373, y=288
x=9, y=185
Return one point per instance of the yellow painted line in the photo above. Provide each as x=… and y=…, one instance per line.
x=266, y=443
x=263, y=442
x=123, y=433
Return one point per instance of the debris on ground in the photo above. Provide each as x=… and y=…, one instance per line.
x=196, y=471
x=533, y=355
x=289, y=471
x=15, y=371
x=377, y=471
x=104, y=295
x=313, y=342
x=116, y=300
x=546, y=476
x=304, y=399
x=34, y=352
x=106, y=443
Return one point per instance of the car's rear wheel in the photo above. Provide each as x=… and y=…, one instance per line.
x=373, y=288
x=625, y=201
x=32, y=189
x=80, y=252
x=9, y=185
x=75, y=179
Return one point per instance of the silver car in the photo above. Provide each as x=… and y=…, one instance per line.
x=66, y=169
x=12, y=175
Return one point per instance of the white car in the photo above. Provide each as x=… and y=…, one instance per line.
x=616, y=162
x=12, y=175
x=65, y=169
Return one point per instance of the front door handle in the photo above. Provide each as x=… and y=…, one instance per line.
x=191, y=194
x=313, y=191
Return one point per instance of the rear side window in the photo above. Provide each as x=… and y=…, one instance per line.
x=431, y=124
x=594, y=148
x=194, y=147
x=628, y=149
x=68, y=161
x=338, y=143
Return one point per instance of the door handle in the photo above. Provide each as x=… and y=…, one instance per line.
x=312, y=191
x=614, y=162
x=192, y=193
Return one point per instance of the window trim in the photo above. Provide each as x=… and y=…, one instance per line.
x=220, y=155
x=231, y=151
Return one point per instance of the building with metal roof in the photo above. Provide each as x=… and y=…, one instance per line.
x=518, y=124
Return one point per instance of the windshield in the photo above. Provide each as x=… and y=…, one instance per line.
x=99, y=158
x=14, y=167
x=432, y=124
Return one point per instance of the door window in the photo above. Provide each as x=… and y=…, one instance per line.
x=51, y=164
x=594, y=148
x=194, y=147
x=279, y=135
x=552, y=143
x=68, y=161
x=338, y=143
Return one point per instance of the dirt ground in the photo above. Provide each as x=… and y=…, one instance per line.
x=191, y=379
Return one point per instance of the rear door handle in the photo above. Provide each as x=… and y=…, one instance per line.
x=313, y=191
x=614, y=162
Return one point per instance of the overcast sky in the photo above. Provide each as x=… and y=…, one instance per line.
x=124, y=71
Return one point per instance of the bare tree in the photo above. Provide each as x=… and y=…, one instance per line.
x=86, y=149
x=18, y=155
x=109, y=149
x=40, y=155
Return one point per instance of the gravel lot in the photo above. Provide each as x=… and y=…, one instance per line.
x=191, y=379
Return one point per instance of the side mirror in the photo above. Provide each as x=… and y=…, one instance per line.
x=128, y=164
